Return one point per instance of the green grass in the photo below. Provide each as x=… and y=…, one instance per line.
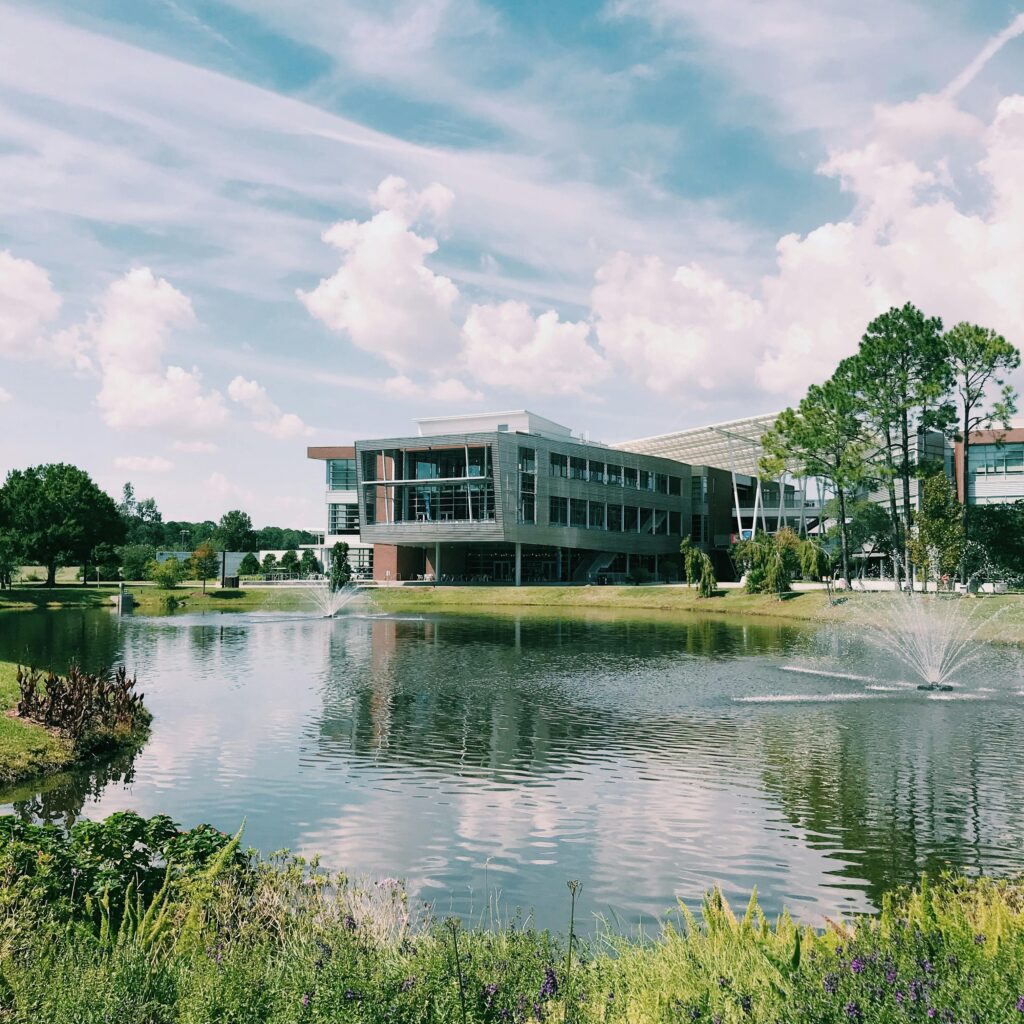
x=26, y=750
x=808, y=607
x=153, y=601
x=245, y=941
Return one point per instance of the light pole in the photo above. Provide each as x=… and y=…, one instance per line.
x=184, y=534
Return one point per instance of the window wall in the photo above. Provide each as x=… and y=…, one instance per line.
x=341, y=474
x=343, y=518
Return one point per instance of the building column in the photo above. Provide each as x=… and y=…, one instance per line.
x=437, y=562
x=519, y=564
x=655, y=566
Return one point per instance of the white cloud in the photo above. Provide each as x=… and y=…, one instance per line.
x=444, y=389
x=129, y=334
x=666, y=326
x=219, y=487
x=144, y=463
x=28, y=303
x=384, y=296
x=505, y=346
x=194, y=447
x=5, y=395
x=267, y=416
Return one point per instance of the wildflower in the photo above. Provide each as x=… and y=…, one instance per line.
x=490, y=991
x=348, y=922
x=926, y=966
x=549, y=986
x=979, y=939
x=351, y=995
x=830, y=983
x=723, y=982
x=852, y=1010
x=538, y=1011
x=856, y=965
x=1020, y=1005
x=306, y=997
x=409, y=984
x=746, y=1003
x=890, y=975
x=951, y=960
x=931, y=1011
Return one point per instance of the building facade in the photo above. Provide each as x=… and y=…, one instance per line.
x=342, y=502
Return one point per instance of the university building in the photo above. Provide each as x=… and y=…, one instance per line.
x=514, y=497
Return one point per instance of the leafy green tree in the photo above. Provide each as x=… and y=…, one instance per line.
x=234, y=531
x=204, y=563
x=822, y=437
x=939, y=539
x=290, y=562
x=142, y=519
x=980, y=359
x=691, y=560
x=107, y=562
x=341, y=570
x=167, y=574
x=814, y=560
x=10, y=557
x=58, y=515
x=134, y=559
x=250, y=565
x=902, y=380
x=310, y=565
x=998, y=530
x=269, y=562
x=707, y=585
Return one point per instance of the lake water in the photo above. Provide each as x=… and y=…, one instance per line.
x=499, y=757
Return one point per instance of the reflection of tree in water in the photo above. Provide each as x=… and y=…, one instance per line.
x=89, y=637
x=898, y=794
x=61, y=798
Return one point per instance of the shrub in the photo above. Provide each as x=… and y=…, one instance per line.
x=166, y=575
x=707, y=586
x=135, y=559
x=92, y=711
x=249, y=566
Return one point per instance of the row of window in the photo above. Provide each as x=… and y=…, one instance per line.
x=343, y=518
x=575, y=468
x=341, y=474
x=596, y=515
x=990, y=459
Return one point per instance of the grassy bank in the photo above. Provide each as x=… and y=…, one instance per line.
x=799, y=607
x=26, y=749
x=95, y=930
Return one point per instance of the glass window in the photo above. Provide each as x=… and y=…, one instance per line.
x=342, y=518
x=646, y=481
x=578, y=468
x=661, y=483
x=674, y=485
x=697, y=489
x=673, y=524
x=527, y=460
x=558, y=512
x=630, y=519
x=369, y=465
x=559, y=465
x=597, y=515
x=697, y=534
x=596, y=472
x=370, y=504
x=629, y=477
x=615, y=475
x=341, y=474
x=615, y=518
x=577, y=513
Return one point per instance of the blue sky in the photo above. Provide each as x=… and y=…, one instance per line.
x=231, y=229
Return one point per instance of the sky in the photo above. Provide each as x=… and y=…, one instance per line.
x=230, y=229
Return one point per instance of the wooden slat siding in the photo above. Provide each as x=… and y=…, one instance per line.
x=330, y=452
x=505, y=457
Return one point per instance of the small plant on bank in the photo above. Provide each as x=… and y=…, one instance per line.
x=166, y=575
x=707, y=585
x=92, y=711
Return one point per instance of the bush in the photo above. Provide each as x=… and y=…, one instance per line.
x=166, y=575
x=249, y=566
x=93, y=712
x=135, y=559
x=707, y=586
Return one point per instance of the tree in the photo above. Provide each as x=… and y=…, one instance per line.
x=822, y=437
x=134, y=559
x=10, y=557
x=979, y=359
x=166, y=575
x=902, y=380
x=290, y=562
x=234, y=531
x=269, y=562
x=58, y=515
x=341, y=571
x=707, y=586
x=814, y=560
x=939, y=539
x=204, y=563
x=142, y=519
x=250, y=565
x=998, y=530
x=691, y=560
x=107, y=562
x=310, y=564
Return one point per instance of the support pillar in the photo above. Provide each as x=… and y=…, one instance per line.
x=519, y=564
x=656, y=566
x=437, y=562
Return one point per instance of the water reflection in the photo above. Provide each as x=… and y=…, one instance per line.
x=469, y=755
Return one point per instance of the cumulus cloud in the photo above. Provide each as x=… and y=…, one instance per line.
x=144, y=463
x=506, y=346
x=194, y=447
x=5, y=395
x=443, y=389
x=267, y=416
x=384, y=296
x=129, y=335
x=28, y=303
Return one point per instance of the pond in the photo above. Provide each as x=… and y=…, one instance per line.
x=487, y=760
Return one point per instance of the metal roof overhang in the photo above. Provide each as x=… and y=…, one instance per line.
x=735, y=445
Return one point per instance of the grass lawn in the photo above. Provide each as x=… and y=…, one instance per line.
x=25, y=749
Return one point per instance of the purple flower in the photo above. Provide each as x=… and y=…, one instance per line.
x=931, y=1011
x=409, y=984
x=746, y=1004
x=856, y=965
x=490, y=991
x=348, y=922
x=549, y=986
x=306, y=998
x=852, y=1010
x=830, y=983
x=538, y=1011
x=890, y=975
x=979, y=939
x=1020, y=1005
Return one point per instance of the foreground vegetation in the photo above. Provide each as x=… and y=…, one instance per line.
x=131, y=920
x=49, y=723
